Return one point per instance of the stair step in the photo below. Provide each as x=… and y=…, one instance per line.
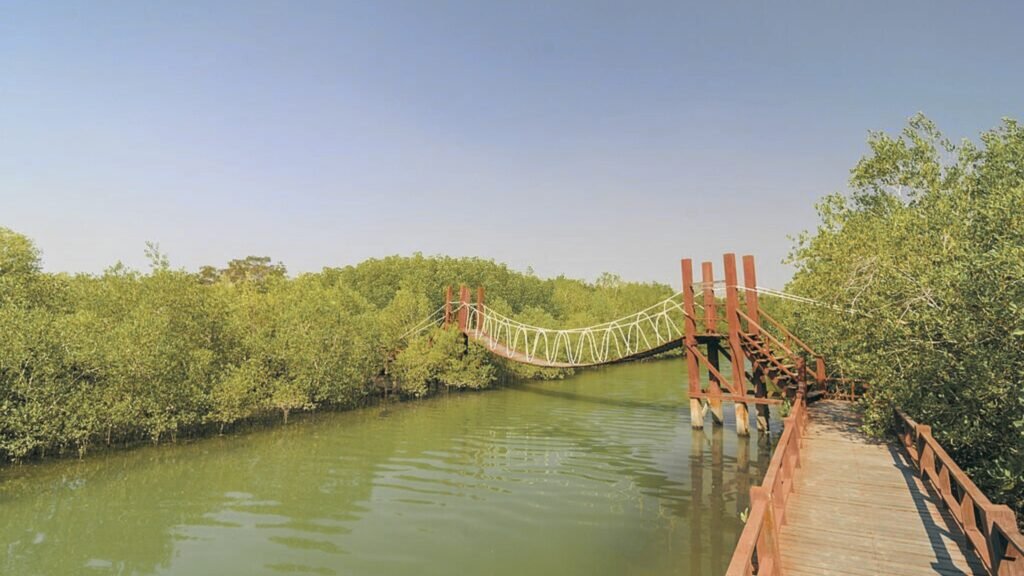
x=774, y=365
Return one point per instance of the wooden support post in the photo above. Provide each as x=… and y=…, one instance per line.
x=754, y=312
x=761, y=391
x=750, y=283
x=732, y=316
x=801, y=374
x=707, y=276
x=480, y=310
x=819, y=372
x=690, y=345
x=710, y=327
x=714, y=404
x=463, y=314
x=447, y=306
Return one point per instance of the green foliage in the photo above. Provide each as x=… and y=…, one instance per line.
x=127, y=356
x=444, y=357
x=237, y=394
x=256, y=270
x=924, y=266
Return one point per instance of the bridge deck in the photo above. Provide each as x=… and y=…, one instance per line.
x=858, y=508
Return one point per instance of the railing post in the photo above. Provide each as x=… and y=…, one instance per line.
x=992, y=533
x=707, y=276
x=1006, y=559
x=819, y=372
x=711, y=327
x=801, y=374
x=689, y=344
x=750, y=283
x=447, y=306
x=943, y=485
x=966, y=511
x=913, y=435
x=769, y=557
x=463, y=315
x=735, y=349
x=479, y=310
x=927, y=463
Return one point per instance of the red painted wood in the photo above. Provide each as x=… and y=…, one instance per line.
x=690, y=327
x=732, y=305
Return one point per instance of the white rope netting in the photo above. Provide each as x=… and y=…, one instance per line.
x=633, y=335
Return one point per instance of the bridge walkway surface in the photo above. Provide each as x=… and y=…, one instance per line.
x=858, y=507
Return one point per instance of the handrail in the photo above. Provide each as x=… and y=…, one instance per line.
x=857, y=388
x=757, y=551
x=991, y=529
x=819, y=360
x=787, y=333
x=771, y=357
x=759, y=328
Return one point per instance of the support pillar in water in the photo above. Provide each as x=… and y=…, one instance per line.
x=717, y=414
x=690, y=345
x=742, y=419
x=711, y=327
x=714, y=404
x=696, y=414
x=763, y=416
x=735, y=349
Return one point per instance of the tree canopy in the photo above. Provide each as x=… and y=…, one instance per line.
x=920, y=273
x=88, y=360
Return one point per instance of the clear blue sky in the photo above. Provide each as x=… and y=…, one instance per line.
x=573, y=137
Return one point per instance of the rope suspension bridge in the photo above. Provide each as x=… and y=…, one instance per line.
x=651, y=331
x=831, y=501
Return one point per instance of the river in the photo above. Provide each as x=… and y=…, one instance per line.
x=596, y=474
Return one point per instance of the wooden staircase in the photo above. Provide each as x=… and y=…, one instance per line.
x=780, y=372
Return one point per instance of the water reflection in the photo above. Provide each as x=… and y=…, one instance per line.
x=597, y=474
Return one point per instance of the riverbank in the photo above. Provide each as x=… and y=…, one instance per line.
x=123, y=357
x=596, y=474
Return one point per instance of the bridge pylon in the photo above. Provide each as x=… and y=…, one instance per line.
x=447, y=306
x=766, y=361
x=710, y=326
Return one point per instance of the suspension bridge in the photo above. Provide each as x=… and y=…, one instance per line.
x=832, y=501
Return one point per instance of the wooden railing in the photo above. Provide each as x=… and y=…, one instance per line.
x=991, y=529
x=836, y=388
x=757, y=551
x=789, y=336
x=849, y=389
x=791, y=342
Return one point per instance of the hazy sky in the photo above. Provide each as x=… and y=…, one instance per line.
x=573, y=137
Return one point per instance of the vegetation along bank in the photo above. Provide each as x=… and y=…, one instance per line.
x=919, y=272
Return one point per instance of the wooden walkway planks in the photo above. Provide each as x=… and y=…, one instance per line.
x=858, y=508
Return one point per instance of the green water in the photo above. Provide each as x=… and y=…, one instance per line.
x=597, y=474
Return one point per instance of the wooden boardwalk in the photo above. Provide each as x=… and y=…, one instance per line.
x=858, y=508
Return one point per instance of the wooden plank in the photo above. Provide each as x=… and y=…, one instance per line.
x=859, y=509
